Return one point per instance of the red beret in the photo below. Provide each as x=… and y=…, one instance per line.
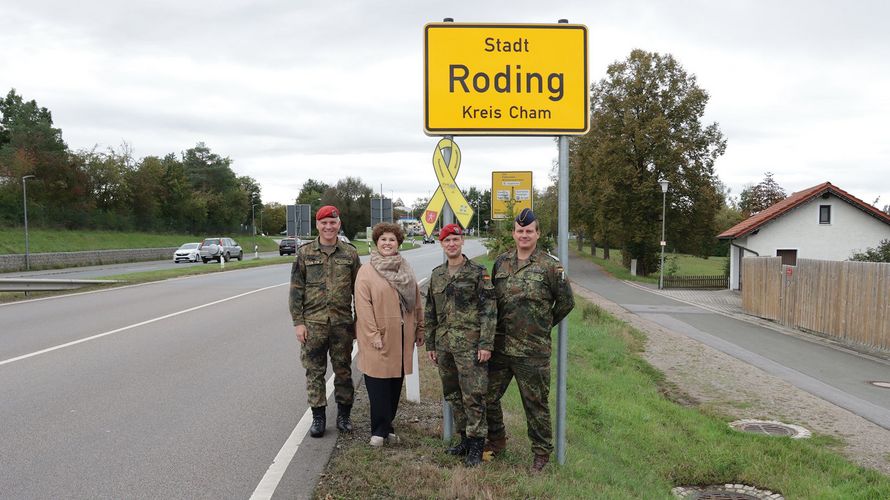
x=449, y=230
x=327, y=211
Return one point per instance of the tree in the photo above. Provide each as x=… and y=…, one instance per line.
x=30, y=145
x=254, y=202
x=481, y=203
x=767, y=193
x=353, y=198
x=645, y=126
x=311, y=194
x=880, y=253
x=274, y=218
x=216, y=185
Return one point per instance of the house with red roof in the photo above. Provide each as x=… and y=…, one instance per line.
x=822, y=222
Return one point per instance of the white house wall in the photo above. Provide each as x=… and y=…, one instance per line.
x=850, y=230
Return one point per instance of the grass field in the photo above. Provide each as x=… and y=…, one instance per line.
x=624, y=440
x=674, y=264
x=12, y=240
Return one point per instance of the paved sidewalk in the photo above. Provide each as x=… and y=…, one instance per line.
x=729, y=303
x=725, y=301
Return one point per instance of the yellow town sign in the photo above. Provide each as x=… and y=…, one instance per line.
x=505, y=79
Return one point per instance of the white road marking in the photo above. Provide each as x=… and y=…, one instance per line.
x=286, y=454
x=135, y=325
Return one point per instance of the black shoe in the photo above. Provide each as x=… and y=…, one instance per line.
x=461, y=448
x=344, y=424
x=474, y=455
x=319, y=420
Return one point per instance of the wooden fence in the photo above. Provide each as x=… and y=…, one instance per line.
x=699, y=282
x=845, y=300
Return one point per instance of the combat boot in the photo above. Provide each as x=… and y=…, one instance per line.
x=496, y=446
x=538, y=464
x=344, y=424
x=319, y=420
x=474, y=455
x=461, y=448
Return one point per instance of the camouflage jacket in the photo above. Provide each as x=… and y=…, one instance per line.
x=460, y=311
x=532, y=299
x=322, y=285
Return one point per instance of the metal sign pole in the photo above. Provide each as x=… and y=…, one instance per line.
x=447, y=218
x=563, y=254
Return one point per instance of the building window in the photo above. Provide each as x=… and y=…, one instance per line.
x=789, y=257
x=824, y=214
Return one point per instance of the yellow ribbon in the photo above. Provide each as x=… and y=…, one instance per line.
x=447, y=190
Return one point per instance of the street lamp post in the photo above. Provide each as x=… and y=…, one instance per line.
x=664, y=190
x=256, y=251
x=25, y=205
x=478, y=215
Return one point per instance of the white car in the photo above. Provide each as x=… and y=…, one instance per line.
x=187, y=253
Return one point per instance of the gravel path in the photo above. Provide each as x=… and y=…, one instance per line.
x=704, y=377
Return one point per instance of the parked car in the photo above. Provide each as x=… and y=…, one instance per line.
x=187, y=253
x=287, y=246
x=428, y=238
x=220, y=249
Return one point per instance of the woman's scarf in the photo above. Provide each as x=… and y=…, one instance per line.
x=399, y=275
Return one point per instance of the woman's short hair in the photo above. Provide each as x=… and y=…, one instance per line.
x=388, y=227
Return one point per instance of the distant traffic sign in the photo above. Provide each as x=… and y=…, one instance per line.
x=505, y=79
x=506, y=187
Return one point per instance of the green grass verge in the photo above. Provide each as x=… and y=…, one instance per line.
x=12, y=240
x=196, y=269
x=624, y=440
x=675, y=264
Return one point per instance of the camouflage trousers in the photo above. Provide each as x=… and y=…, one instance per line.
x=324, y=339
x=464, y=385
x=533, y=378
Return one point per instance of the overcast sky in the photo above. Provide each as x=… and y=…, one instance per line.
x=292, y=90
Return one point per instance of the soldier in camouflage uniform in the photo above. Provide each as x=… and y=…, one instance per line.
x=460, y=316
x=321, y=289
x=533, y=296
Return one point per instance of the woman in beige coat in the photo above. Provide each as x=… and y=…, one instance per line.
x=389, y=322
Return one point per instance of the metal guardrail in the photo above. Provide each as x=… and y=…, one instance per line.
x=46, y=285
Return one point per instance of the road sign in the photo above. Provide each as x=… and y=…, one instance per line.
x=299, y=220
x=505, y=79
x=381, y=210
x=509, y=187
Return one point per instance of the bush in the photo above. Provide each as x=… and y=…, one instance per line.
x=881, y=253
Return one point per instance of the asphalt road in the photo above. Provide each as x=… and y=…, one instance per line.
x=835, y=375
x=93, y=272
x=185, y=388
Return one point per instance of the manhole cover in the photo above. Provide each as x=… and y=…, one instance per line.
x=770, y=428
x=723, y=495
x=878, y=383
x=724, y=492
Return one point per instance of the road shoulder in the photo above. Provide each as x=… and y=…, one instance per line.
x=701, y=376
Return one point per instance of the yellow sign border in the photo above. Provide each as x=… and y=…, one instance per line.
x=502, y=131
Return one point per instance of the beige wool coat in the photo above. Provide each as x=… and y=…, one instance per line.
x=378, y=315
